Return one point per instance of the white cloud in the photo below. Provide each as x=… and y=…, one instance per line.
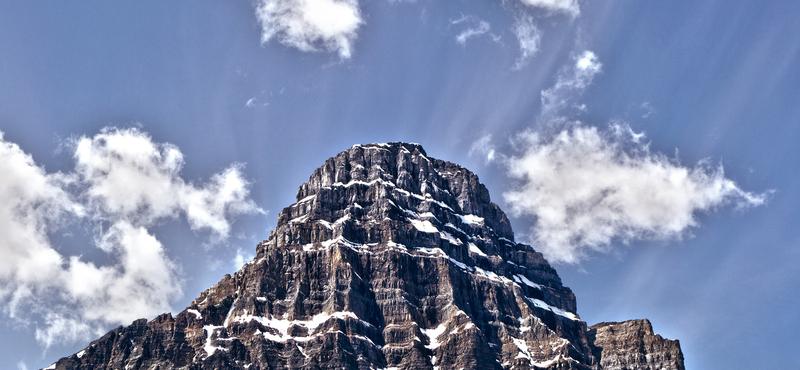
x=586, y=188
x=570, y=84
x=240, y=259
x=132, y=178
x=123, y=184
x=647, y=109
x=570, y=7
x=61, y=328
x=30, y=202
x=311, y=25
x=477, y=27
x=529, y=38
x=143, y=288
x=484, y=148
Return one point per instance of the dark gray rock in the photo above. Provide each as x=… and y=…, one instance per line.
x=388, y=259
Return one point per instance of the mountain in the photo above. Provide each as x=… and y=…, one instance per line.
x=389, y=259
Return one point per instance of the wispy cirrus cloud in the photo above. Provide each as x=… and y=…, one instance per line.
x=484, y=148
x=570, y=7
x=570, y=84
x=474, y=27
x=333, y=25
x=529, y=38
x=123, y=184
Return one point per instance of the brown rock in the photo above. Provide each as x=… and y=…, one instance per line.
x=630, y=345
x=388, y=259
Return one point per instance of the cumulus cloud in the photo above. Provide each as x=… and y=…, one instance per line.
x=474, y=27
x=31, y=201
x=529, y=37
x=128, y=176
x=570, y=84
x=123, y=184
x=586, y=188
x=570, y=7
x=311, y=25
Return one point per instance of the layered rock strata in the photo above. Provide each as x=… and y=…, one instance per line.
x=387, y=259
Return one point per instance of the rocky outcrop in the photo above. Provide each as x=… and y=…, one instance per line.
x=632, y=345
x=387, y=259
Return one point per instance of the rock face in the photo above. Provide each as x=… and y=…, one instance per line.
x=388, y=259
x=632, y=345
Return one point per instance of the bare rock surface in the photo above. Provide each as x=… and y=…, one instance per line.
x=388, y=259
x=630, y=345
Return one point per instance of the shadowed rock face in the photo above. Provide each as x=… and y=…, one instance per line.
x=388, y=259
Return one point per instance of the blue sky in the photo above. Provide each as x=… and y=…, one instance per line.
x=713, y=81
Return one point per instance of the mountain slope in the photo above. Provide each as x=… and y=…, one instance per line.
x=388, y=259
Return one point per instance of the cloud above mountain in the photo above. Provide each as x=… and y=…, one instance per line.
x=586, y=188
x=560, y=100
x=570, y=7
x=334, y=25
x=130, y=177
x=311, y=25
x=122, y=186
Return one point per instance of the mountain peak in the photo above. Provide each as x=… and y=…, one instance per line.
x=405, y=175
x=387, y=259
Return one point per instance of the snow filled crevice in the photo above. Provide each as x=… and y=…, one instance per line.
x=524, y=280
x=196, y=313
x=560, y=312
x=283, y=325
x=424, y=226
x=209, y=347
x=433, y=335
x=474, y=249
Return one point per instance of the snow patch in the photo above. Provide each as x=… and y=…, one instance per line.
x=196, y=313
x=523, y=349
x=524, y=280
x=363, y=183
x=299, y=219
x=548, y=363
x=433, y=338
x=208, y=346
x=450, y=238
x=425, y=226
x=428, y=215
x=492, y=276
x=543, y=305
x=471, y=219
x=474, y=249
x=283, y=325
x=306, y=199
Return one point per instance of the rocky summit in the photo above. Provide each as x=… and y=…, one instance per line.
x=388, y=259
